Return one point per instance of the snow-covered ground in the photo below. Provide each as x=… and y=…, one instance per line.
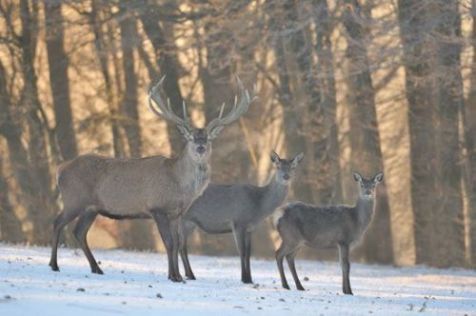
x=135, y=283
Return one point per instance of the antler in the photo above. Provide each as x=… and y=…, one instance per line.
x=163, y=109
x=239, y=108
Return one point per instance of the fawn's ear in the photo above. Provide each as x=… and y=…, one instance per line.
x=274, y=157
x=378, y=177
x=357, y=176
x=296, y=160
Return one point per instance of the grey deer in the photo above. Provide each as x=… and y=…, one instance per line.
x=321, y=227
x=238, y=208
x=153, y=187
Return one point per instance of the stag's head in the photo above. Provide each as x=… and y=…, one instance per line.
x=199, y=140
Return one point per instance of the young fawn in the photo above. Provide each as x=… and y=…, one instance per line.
x=323, y=227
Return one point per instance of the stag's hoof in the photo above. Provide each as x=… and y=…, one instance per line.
x=97, y=270
x=191, y=277
x=300, y=288
x=176, y=278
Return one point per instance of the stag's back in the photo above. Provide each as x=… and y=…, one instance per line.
x=120, y=186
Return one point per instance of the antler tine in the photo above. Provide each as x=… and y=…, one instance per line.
x=163, y=108
x=240, y=106
x=184, y=109
x=221, y=110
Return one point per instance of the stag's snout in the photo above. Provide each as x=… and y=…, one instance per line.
x=201, y=149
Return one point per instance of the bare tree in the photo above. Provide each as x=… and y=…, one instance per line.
x=10, y=225
x=417, y=63
x=58, y=63
x=365, y=137
x=449, y=228
x=165, y=53
x=129, y=37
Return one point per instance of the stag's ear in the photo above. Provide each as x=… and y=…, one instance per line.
x=378, y=177
x=357, y=176
x=275, y=157
x=296, y=160
x=185, y=132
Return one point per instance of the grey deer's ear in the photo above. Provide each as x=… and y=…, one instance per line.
x=378, y=177
x=274, y=157
x=185, y=132
x=297, y=159
x=357, y=176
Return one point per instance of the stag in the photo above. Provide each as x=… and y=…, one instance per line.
x=152, y=187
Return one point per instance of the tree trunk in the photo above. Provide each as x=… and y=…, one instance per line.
x=292, y=120
x=37, y=147
x=102, y=55
x=58, y=63
x=365, y=139
x=165, y=53
x=11, y=130
x=469, y=119
x=417, y=62
x=10, y=225
x=449, y=219
x=323, y=148
x=129, y=38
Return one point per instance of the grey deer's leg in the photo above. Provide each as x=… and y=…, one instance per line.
x=81, y=231
x=345, y=265
x=188, y=228
x=248, y=256
x=65, y=217
x=290, y=258
x=239, y=234
x=167, y=235
x=280, y=253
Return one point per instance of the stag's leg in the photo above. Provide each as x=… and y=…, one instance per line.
x=345, y=265
x=165, y=230
x=81, y=231
x=176, y=228
x=239, y=234
x=188, y=228
x=60, y=222
x=248, y=256
x=290, y=258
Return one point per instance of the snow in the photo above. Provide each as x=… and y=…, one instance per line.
x=135, y=283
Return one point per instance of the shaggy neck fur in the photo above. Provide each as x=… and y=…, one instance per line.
x=196, y=173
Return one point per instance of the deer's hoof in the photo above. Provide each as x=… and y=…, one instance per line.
x=300, y=288
x=191, y=277
x=176, y=278
x=97, y=270
x=54, y=267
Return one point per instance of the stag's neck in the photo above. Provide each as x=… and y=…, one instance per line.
x=274, y=195
x=193, y=175
x=365, y=210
